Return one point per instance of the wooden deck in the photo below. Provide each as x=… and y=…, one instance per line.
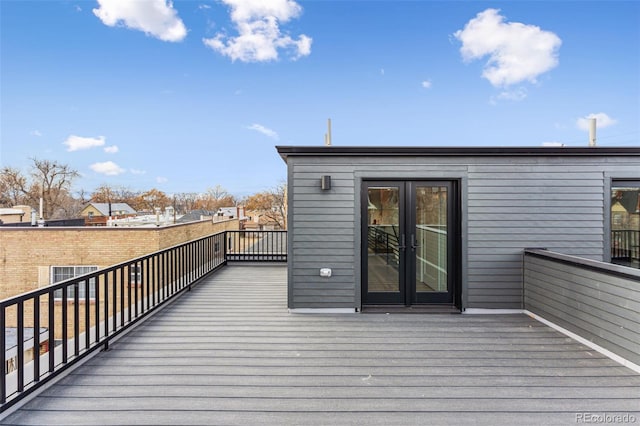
x=228, y=352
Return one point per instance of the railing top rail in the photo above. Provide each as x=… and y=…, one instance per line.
x=604, y=267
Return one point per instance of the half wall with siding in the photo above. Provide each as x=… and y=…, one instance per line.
x=597, y=301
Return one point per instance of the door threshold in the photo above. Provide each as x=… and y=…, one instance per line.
x=413, y=309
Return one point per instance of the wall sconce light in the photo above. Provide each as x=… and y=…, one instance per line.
x=325, y=183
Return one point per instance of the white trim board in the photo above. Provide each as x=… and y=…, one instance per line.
x=322, y=310
x=580, y=339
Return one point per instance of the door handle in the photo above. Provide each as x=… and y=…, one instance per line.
x=413, y=242
x=402, y=245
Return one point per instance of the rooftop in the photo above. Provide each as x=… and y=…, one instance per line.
x=229, y=352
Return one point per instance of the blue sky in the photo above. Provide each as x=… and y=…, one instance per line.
x=186, y=95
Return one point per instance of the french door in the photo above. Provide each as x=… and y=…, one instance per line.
x=408, y=233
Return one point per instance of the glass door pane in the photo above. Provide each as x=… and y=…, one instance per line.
x=625, y=223
x=429, y=239
x=383, y=239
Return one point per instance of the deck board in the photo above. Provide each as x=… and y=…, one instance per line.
x=228, y=352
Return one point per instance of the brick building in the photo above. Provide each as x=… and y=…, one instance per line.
x=30, y=256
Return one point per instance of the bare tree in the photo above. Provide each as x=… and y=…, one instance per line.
x=51, y=181
x=185, y=202
x=13, y=187
x=150, y=200
x=47, y=179
x=270, y=204
x=114, y=194
x=215, y=198
x=70, y=206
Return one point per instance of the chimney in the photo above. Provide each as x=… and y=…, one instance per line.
x=592, y=131
x=327, y=136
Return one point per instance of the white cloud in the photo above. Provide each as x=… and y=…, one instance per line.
x=517, y=52
x=264, y=130
x=514, y=95
x=138, y=172
x=35, y=133
x=77, y=143
x=161, y=179
x=381, y=71
x=426, y=84
x=602, y=121
x=156, y=18
x=108, y=168
x=259, y=36
x=111, y=149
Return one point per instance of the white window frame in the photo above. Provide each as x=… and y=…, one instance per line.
x=77, y=271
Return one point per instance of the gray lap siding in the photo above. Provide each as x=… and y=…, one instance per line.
x=507, y=204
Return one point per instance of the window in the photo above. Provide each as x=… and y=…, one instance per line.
x=625, y=223
x=61, y=273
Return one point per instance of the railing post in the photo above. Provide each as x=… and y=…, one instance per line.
x=52, y=331
x=36, y=338
x=3, y=357
x=114, y=302
x=87, y=314
x=76, y=317
x=106, y=309
x=20, y=347
x=65, y=332
x=97, y=310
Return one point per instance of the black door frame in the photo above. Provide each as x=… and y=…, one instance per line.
x=407, y=295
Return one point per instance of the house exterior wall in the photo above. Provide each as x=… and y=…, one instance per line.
x=90, y=211
x=12, y=217
x=27, y=254
x=557, y=199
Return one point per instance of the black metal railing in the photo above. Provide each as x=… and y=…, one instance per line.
x=56, y=326
x=383, y=240
x=625, y=245
x=258, y=246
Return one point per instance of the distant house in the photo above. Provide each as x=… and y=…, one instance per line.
x=231, y=212
x=15, y=214
x=97, y=214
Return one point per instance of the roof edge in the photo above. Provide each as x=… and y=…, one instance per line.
x=484, y=151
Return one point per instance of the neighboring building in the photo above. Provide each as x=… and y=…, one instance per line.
x=36, y=257
x=196, y=215
x=446, y=227
x=261, y=220
x=236, y=212
x=97, y=214
x=15, y=214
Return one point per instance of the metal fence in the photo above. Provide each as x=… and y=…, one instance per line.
x=256, y=246
x=383, y=241
x=625, y=245
x=47, y=330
